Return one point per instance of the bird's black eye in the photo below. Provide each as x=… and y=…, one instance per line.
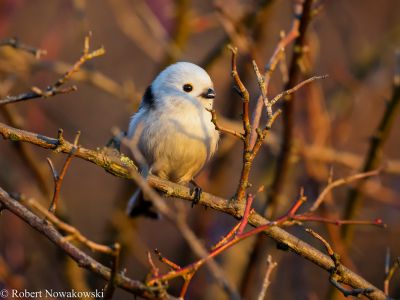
x=188, y=87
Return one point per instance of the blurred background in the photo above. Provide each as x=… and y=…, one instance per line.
x=352, y=41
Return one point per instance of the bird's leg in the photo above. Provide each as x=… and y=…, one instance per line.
x=116, y=140
x=197, y=192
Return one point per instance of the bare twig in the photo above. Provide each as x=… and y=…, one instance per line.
x=172, y=265
x=110, y=288
x=36, y=93
x=271, y=66
x=72, y=232
x=56, y=88
x=303, y=10
x=335, y=277
x=266, y=282
x=222, y=129
x=247, y=157
x=296, y=87
x=333, y=184
x=123, y=167
x=246, y=214
x=84, y=260
x=187, y=272
x=16, y=44
x=58, y=178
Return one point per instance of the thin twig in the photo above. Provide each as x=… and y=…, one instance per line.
x=163, y=259
x=271, y=265
x=84, y=260
x=333, y=184
x=335, y=277
x=123, y=167
x=277, y=55
x=72, y=232
x=246, y=214
x=56, y=88
x=303, y=12
x=110, y=289
x=222, y=129
x=59, y=178
x=247, y=159
x=16, y=44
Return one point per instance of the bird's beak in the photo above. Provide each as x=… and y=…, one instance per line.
x=209, y=94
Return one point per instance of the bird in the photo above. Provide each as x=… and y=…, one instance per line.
x=172, y=135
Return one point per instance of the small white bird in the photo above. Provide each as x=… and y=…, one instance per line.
x=172, y=131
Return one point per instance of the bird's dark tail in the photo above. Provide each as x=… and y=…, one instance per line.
x=139, y=206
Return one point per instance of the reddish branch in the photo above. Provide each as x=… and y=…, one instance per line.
x=58, y=178
x=233, y=237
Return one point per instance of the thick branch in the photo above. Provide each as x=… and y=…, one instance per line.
x=288, y=110
x=84, y=260
x=121, y=166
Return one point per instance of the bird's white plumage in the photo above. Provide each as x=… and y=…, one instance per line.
x=173, y=129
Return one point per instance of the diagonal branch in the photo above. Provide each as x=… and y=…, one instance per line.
x=84, y=260
x=56, y=88
x=121, y=166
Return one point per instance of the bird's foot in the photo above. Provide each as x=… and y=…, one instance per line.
x=197, y=190
x=116, y=140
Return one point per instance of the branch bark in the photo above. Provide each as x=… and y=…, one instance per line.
x=121, y=166
x=83, y=260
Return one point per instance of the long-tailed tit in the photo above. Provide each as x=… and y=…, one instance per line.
x=171, y=134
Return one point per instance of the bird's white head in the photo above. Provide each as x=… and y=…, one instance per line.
x=185, y=79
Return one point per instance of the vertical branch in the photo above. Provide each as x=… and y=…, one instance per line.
x=109, y=291
x=247, y=157
x=266, y=282
x=374, y=155
x=283, y=166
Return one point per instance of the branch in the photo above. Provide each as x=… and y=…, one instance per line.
x=84, y=260
x=389, y=271
x=378, y=140
x=122, y=166
x=58, y=178
x=335, y=277
x=73, y=233
x=284, y=159
x=295, y=88
x=112, y=162
x=222, y=129
x=266, y=282
x=340, y=182
x=56, y=89
x=16, y=44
